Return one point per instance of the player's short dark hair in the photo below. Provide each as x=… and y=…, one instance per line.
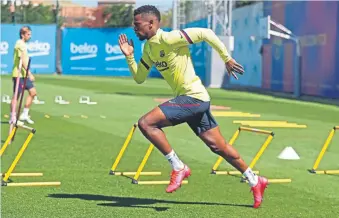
x=24, y=30
x=148, y=9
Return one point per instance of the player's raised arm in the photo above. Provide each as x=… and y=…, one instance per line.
x=139, y=70
x=178, y=38
x=194, y=35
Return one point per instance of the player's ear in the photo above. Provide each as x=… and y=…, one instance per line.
x=151, y=22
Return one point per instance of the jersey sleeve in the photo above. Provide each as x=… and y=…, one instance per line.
x=179, y=38
x=140, y=70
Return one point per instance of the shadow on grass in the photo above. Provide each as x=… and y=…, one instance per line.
x=115, y=201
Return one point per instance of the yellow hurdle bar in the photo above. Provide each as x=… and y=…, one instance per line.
x=26, y=128
x=8, y=140
x=279, y=181
x=156, y=182
x=269, y=123
x=257, y=156
x=122, y=150
x=258, y=121
x=326, y=171
x=143, y=162
x=261, y=151
x=238, y=172
x=256, y=130
x=270, y=181
x=17, y=158
x=323, y=150
x=33, y=184
x=141, y=173
x=220, y=172
x=24, y=174
x=279, y=125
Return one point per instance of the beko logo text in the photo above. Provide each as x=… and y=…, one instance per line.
x=37, y=48
x=112, y=49
x=115, y=50
x=85, y=50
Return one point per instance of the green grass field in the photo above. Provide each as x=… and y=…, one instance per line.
x=79, y=153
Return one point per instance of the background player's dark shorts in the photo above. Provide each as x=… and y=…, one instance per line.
x=194, y=112
x=29, y=84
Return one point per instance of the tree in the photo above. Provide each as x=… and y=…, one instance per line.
x=118, y=15
x=40, y=14
x=6, y=15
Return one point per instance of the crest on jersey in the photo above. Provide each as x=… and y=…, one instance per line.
x=162, y=53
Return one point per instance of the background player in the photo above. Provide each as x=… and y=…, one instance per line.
x=169, y=52
x=20, y=51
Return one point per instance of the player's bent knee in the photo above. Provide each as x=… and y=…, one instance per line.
x=143, y=124
x=224, y=149
x=32, y=92
x=212, y=144
x=215, y=149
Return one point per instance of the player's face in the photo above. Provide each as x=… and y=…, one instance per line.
x=142, y=26
x=27, y=36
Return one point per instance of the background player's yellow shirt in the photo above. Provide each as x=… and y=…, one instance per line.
x=170, y=54
x=20, y=50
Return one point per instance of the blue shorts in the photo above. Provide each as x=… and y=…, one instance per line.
x=29, y=84
x=194, y=112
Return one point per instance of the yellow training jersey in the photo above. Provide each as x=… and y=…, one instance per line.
x=20, y=50
x=170, y=54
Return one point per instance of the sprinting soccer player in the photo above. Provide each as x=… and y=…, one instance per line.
x=20, y=52
x=169, y=52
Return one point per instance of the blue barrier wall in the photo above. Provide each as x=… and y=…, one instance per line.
x=319, y=39
x=41, y=47
x=96, y=52
x=245, y=23
x=89, y=51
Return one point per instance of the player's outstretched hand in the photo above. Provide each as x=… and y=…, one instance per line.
x=127, y=47
x=233, y=67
